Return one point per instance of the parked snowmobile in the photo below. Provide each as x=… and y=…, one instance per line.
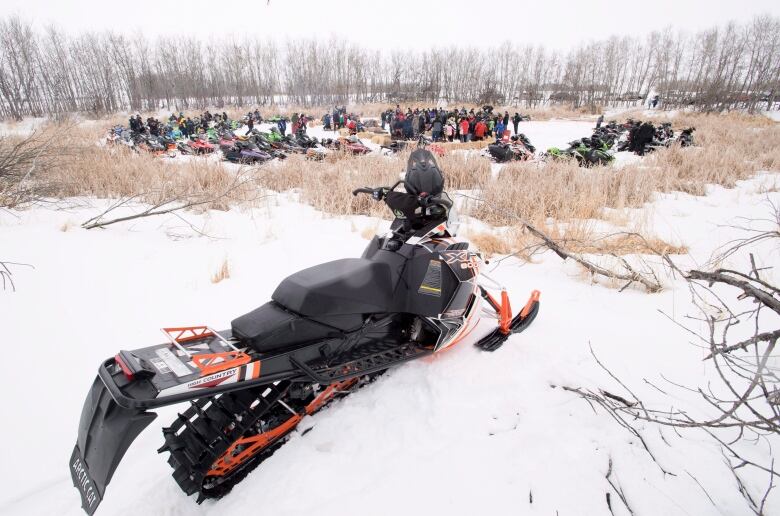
x=422, y=142
x=199, y=145
x=518, y=149
x=327, y=330
x=244, y=152
x=686, y=137
x=352, y=145
x=262, y=143
x=588, y=152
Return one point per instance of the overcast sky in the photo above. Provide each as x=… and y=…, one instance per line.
x=394, y=23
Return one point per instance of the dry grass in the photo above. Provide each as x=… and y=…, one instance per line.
x=582, y=238
x=731, y=148
x=491, y=244
x=117, y=172
x=553, y=196
x=222, y=273
x=327, y=185
x=453, y=146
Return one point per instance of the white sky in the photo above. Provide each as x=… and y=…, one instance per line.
x=390, y=24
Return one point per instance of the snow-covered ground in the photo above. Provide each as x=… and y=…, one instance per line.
x=463, y=433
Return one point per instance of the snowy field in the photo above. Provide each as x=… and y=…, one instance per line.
x=463, y=433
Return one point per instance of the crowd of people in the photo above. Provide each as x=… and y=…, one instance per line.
x=450, y=125
x=340, y=118
x=181, y=126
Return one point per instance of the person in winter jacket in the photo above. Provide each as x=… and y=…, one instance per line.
x=139, y=123
x=506, y=119
x=282, y=124
x=516, y=121
x=599, y=121
x=479, y=130
x=407, y=125
x=436, y=130
x=500, y=129
x=450, y=131
x=464, y=130
x=643, y=136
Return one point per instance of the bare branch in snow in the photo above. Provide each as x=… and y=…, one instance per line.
x=6, y=274
x=628, y=274
x=170, y=203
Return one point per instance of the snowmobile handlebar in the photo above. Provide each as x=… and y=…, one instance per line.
x=362, y=190
x=425, y=200
x=435, y=199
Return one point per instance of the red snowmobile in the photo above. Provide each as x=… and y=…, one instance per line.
x=327, y=331
x=199, y=145
x=352, y=145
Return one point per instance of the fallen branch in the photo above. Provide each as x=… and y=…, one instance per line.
x=170, y=204
x=6, y=274
x=630, y=275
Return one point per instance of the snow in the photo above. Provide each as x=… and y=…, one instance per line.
x=462, y=433
x=23, y=128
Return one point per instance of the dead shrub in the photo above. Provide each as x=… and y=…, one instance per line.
x=222, y=273
x=729, y=149
x=26, y=163
x=119, y=172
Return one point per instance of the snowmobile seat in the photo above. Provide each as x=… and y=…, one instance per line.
x=340, y=287
x=271, y=327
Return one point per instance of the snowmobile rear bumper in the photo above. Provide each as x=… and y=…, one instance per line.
x=147, y=398
x=106, y=431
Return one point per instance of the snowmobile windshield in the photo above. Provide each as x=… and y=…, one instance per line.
x=423, y=174
x=453, y=218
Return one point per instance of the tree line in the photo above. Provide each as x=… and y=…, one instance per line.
x=46, y=72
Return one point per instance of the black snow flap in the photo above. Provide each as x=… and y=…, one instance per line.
x=106, y=431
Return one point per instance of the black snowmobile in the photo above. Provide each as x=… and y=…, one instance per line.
x=686, y=137
x=520, y=149
x=327, y=330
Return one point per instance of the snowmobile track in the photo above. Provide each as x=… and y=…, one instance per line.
x=205, y=431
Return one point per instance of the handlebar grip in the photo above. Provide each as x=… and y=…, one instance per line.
x=439, y=200
x=362, y=190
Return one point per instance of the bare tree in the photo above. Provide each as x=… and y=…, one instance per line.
x=48, y=72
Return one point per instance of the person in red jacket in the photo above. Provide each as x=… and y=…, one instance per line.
x=464, y=130
x=479, y=130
